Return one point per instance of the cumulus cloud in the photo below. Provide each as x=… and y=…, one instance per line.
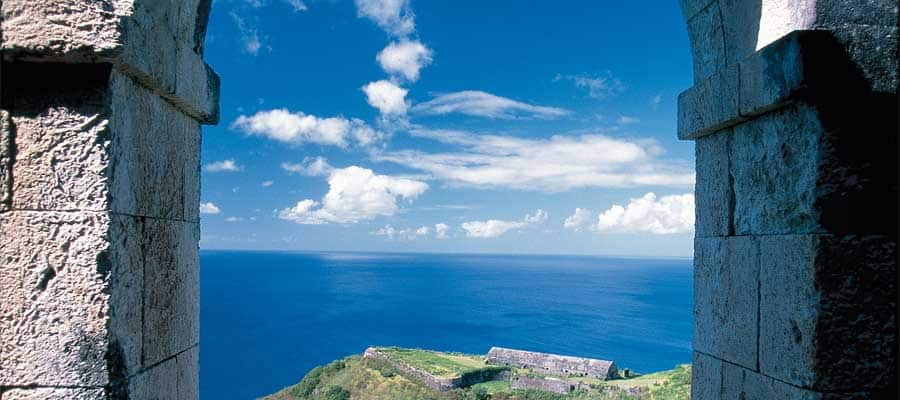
x=355, y=194
x=578, y=220
x=558, y=163
x=299, y=128
x=317, y=166
x=405, y=58
x=387, y=97
x=493, y=228
x=597, y=86
x=402, y=234
x=209, y=208
x=441, y=231
x=395, y=17
x=223, y=166
x=481, y=104
x=647, y=214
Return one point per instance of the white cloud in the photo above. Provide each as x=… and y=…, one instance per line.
x=482, y=104
x=405, y=58
x=578, y=220
x=626, y=120
x=423, y=231
x=402, y=234
x=355, y=194
x=251, y=42
x=441, y=230
x=299, y=128
x=654, y=102
x=558, y=163
x=387, y=97
x=493, y=228
x=298, y=5
x=234, y=219
x=267, y=183
x=223, y=166
x=209, y=208
x=598, y=86
x=393, y=16
x=668, y=215
x=317, y=166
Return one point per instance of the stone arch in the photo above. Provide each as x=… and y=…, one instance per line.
x=793, y=110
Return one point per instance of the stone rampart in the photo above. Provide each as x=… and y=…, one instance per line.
x=440, y=383
x=545, y=384
x=553, y=364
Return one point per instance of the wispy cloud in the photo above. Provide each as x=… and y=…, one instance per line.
x=578, y=220
x=647, y=214
x=223, y=166
x=558, y=163
x=481, y=104
x=355, y=194
x=626, y=120
x=598, y=86
x=493, y=228
x=250, y=39
x=395, y=17
x=267, y=183
x=299, y=128
x=297, y=5
x=403, y=234
x=317, y=166
x=654, y=102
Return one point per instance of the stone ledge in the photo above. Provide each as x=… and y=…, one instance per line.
x=800, y=65
x=159, y=45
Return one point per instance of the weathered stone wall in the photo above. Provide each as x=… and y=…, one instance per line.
x=794, y=114
x=545, y=384
x=436, y=382
x=100, y=118
x=553, y=364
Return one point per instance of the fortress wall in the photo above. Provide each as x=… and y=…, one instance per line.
x=99, y=192
x=794, y=114
x=553, y=364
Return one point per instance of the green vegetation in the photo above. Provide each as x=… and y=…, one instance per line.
x=358, y=378
x=445, y=365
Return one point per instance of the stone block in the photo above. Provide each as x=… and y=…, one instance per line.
x=690, y=8
x=158, y=44
x=715, y=199
x=6, y=160
x=827, y=311
x=709, y=106
x=61, y=150
x=773, y=76
x=126, y=286
x=706, y=377
x=840, y=13
x=726, y=298
x=157, y=383
x=153, y=148
x=707, y=41
x=55, y=394
x=866, y=47
x=188, y=374
x=54, y=330
x=775, y=164
x=741, y=21
x=171, y=289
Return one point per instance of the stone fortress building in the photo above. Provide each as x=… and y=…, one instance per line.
x=553, y=364
x=793, y=110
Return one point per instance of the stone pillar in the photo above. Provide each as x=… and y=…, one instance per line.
x=794, y=114
x=102, y=103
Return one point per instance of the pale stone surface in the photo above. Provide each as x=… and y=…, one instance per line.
x=126, y=261
x=59, y=303
x=61, y=152
x=706, y=375
x=714, y=197
x=827, y=311
x=775, y=165
x=189, y=374
x=726, y=298
x=171, y=288
x=553, y=363
x=6, y=160
x=157, y=383
x=740, y=21
x=707, y=42
x=154, y=148
x=159, y=44
x=710, y=105
x=53, y=394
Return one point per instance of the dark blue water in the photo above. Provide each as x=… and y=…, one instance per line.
x=268, y=318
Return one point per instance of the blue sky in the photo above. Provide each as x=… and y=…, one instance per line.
x=448, y=126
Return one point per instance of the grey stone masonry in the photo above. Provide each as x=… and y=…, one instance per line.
x=794, y=114
x=100, y=116
x=553, y=364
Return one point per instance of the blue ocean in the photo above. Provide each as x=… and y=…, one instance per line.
x=269, y=317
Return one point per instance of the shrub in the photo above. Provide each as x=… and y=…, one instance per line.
x=337, y=393
x=481, y=393
x=309, y=383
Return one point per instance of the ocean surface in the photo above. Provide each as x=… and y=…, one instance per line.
x=267, y=318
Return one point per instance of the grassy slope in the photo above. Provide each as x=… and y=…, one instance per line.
x=356, y=378
x=446, y=365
